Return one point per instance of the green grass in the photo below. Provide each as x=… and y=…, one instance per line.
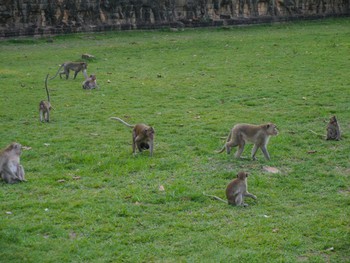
x=192, y=86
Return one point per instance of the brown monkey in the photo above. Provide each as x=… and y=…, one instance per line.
x=10, y=169
x=142, y=136
x=45, y=106
x=90, y=82
x=257, y=134
x=238, y=189
x=333, y=129
x=75, y=66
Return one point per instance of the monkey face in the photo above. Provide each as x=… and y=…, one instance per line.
x=271, y=129
x=16, y=147
x=149, y=132
x=333, y=119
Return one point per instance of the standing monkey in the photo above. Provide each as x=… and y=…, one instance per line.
x=74, y=66
x=236, y=191
x=259, y=135
x=333, y=129
x=142, y=136
x=10, y=169
x=45, y=106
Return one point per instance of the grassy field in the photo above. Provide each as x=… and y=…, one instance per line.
x=88, y=199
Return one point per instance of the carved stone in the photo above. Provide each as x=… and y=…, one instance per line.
x=47, y=17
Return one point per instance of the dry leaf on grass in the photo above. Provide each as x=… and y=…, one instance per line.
x=271, y=169
x=26, y=148
x=312, y=151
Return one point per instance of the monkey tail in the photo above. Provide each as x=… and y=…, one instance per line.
x=316, y=133
x=227, y=140
x=120, y=120
x=223, y=149
x=57, y=72
x=47, y=91
x=215, y=197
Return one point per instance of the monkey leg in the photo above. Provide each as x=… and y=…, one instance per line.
x=63, y=72
x=134, y=142
x=20, y=173
x=230, y=144
x=75, y=74
x=231, y=201
x=240, y=149
x=139, y=147
x=41, y=115
x=254, y=150
x=48, y=116
x=239, y=200
x=265, y=152
x=250, y=195
x=10, y=177
x=151, y=148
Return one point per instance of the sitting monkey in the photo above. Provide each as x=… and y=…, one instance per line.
x=90, y=82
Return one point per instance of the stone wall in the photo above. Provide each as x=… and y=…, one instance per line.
x=46, y=17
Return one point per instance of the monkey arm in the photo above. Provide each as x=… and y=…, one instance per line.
x=250, y=195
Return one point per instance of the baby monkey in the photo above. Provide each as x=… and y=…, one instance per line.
x=236, y=191
x=333, y=129
x=142, y=136
x=45, y=106
x=259, y=135
x=90, y=82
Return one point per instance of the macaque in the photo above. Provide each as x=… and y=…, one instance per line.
x=90, y=82
x=74, y=66
x=142, y=136
x=259, y=135
x=333, y=129
x=45, y=106
x=10, y=169
x=238, y=189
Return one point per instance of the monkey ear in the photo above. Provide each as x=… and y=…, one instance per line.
x=268, y=125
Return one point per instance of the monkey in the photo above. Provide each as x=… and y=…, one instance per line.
x=142, y=136
x=45, y=106
x=90, y=82
x=333, y=129
x=10, y=169
x=75, y=66
x=236, y=190
x=259, y=135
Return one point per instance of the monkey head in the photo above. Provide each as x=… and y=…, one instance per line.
x=15, y=147
x=83, y=65
x=149, y=132
x=271, y=129
x=242, y=175
x=93, y=77
x=333, y=119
